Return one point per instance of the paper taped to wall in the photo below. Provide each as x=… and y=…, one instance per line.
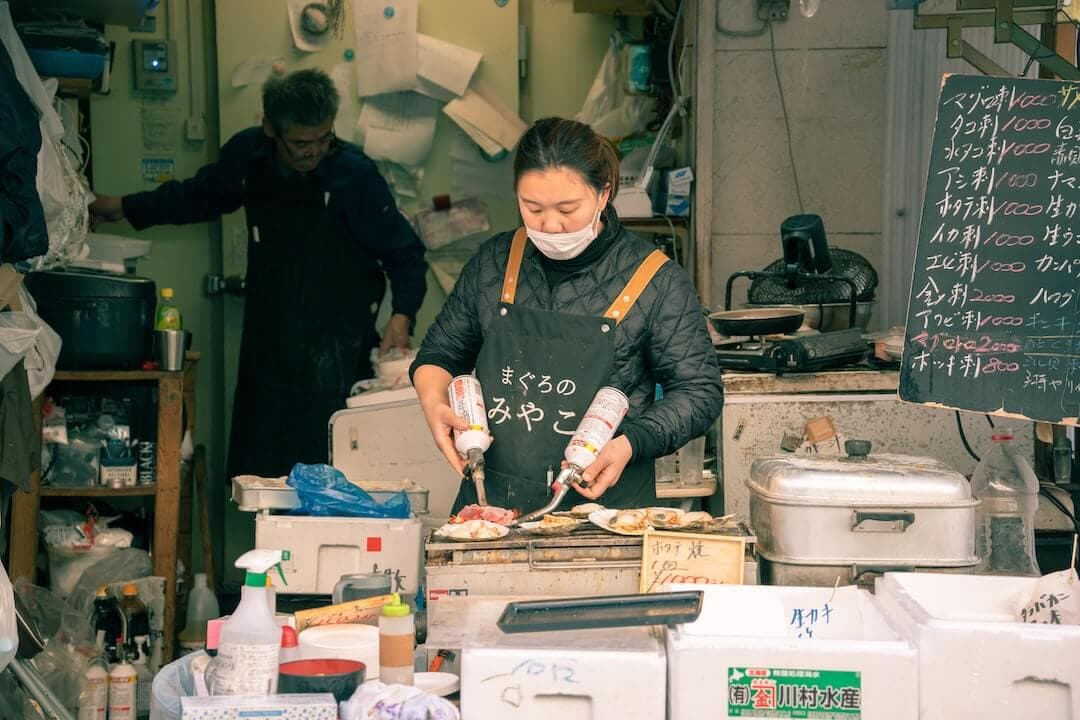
x=444, y=70
x=472, y=174
x=398, y=127
x=344, y=81
x=486, y=119
x=254, y=71
x=385, y=46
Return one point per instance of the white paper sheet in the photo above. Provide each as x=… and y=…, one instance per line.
x=345, y=122
x=449, y=67
x=482, y=115
x=254, y=71
x=399, y=127
x=472, y=174
x=302, y=39
x=385, y=46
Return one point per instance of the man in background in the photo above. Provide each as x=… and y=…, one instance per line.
x=324, y=235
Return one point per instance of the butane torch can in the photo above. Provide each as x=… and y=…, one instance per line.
x=467, y=402
x=598, y=426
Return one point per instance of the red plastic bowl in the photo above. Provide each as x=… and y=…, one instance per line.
x=338, y=677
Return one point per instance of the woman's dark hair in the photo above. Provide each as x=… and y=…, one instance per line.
x=304, y=97
x=555, y=142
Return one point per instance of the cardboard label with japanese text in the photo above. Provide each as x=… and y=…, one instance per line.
x=669, y=558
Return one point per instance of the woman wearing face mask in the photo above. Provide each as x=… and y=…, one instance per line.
x=548, y=314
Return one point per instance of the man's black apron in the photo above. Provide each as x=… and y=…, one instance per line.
x=539, y=371
x=311, y=297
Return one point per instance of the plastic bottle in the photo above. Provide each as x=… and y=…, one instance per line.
x=94, y=700
x=168, y=314
x=123, y=689
x=248, y=656
x=108, y=625
x=144, y=681
x=136, y=618
x=397, y=636
x=1005, y=520
x=202, y=607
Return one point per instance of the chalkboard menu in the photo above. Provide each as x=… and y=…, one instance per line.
x=994, y=318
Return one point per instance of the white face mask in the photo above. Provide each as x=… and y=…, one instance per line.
x=566, y=245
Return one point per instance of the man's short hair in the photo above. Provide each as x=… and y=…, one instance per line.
x=304, y=97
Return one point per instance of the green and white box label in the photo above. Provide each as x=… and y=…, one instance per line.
x=760, y=692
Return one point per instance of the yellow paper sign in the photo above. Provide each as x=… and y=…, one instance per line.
x=669, y=558
x=354, y=611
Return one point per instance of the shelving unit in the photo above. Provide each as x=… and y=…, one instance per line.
x=176, y=396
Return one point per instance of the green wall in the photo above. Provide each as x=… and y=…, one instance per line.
x=180, y=256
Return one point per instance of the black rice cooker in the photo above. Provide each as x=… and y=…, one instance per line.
x=103, y=318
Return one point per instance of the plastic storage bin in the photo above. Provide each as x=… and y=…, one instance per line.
x=744, y=658
x=975, y=660
x=325, y=548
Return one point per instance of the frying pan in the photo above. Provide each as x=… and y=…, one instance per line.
x=757, y=321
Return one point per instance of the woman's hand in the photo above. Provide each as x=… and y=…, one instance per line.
x=606, y=469
x=441, y=420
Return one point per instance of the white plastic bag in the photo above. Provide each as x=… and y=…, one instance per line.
x=64, y=197
x=40, y=361
x=9, y=631
x=18, y=333
x=609, y=109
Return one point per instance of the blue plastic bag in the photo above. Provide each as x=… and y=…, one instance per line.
x=324, y=491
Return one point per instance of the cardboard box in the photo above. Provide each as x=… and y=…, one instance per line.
x=320, y=706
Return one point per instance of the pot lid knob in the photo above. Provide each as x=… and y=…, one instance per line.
x=857, y=449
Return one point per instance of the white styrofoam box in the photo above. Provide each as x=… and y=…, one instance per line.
x=975, y=659
x=390, y=441
x=325, y=548
x=607, y=674
x=815, y=651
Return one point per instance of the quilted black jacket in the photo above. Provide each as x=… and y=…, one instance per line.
x=663, y=339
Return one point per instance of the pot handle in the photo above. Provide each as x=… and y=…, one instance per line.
x=895, y=521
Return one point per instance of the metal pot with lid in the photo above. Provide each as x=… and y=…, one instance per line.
x=818, y=518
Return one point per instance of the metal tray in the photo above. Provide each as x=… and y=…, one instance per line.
x=252, y=493
x=601, y=612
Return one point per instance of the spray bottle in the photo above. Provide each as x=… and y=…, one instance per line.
x=596, y=428
x=467, y=402
x=247, y=660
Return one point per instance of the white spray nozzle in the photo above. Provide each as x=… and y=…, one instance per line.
x=257, y=563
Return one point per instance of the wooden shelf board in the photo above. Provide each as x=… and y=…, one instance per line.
x=102, y=491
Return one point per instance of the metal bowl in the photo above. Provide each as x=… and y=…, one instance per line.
x=830, y=316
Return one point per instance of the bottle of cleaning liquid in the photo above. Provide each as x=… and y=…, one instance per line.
x=144, y=678
x=108, y=625
x=1005, y=519
x=136, y=618
x=123, y=688
x=248, y=655
x=94, y=699
x=168, y=314
x=397, y=636
x=202, y=607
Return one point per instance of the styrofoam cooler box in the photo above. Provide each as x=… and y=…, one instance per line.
x=323, y=549
x=605, y=674
x=791, y=652
x=975, y=659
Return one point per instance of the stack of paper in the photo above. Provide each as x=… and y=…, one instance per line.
x=486, y=119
